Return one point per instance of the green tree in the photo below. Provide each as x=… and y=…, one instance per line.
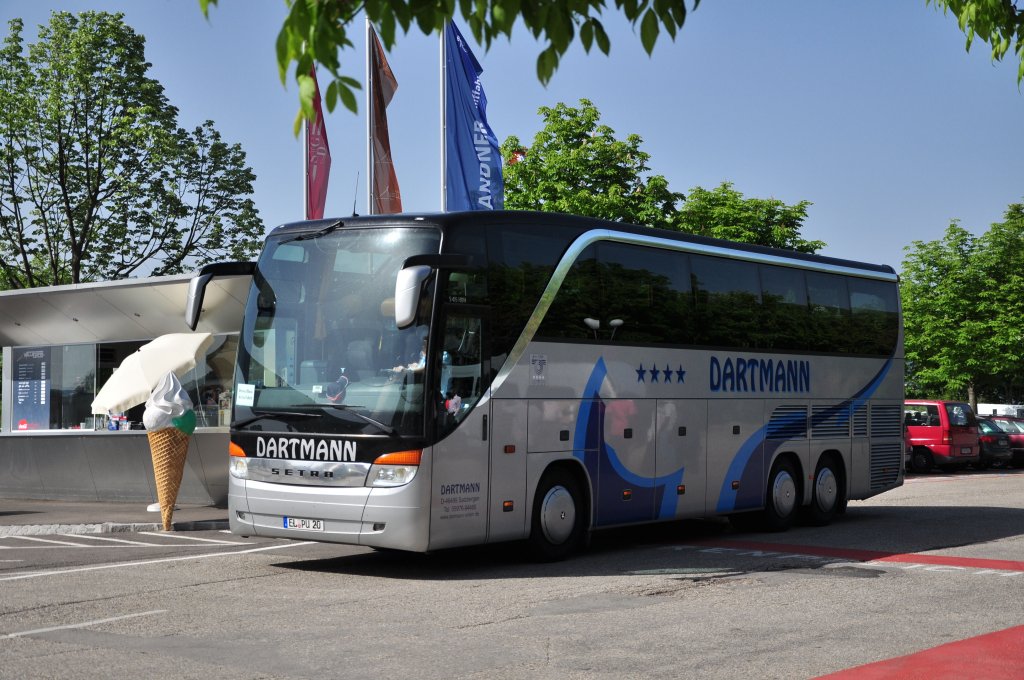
x=1000, y=23
x=317, y=30
x=1000, y=262
x=946, y=334
x=97, y=181
x=724, y=213
x=577, y=166
x=963, y=307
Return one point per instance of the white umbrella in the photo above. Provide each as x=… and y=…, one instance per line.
x=134, y=380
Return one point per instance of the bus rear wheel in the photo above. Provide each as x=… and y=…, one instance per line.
x=558, y=522
x=783, y=497
x=829, y=497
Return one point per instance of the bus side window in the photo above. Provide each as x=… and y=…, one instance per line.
x=829, y=305
x=646, y=295
x=784, y=308
x=727, y=294
x=461, y=374
x=875, y=317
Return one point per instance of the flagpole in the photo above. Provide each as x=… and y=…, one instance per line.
x=304, y=157
x=444, y=122
x=370, y=179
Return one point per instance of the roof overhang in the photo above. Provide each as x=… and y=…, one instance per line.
x=114, y=311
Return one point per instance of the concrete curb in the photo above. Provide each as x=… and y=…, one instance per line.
x=107, y=528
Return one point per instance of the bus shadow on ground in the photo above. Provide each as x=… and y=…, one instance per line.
x=683, y=547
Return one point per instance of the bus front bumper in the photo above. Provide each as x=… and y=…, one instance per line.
x=396, y=517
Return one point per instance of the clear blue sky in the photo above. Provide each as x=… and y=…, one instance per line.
x=871, y=110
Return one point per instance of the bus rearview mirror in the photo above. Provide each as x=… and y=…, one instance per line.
x=197, y=286
x=408, y=287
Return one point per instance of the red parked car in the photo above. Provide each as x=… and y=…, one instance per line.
x=943, y=434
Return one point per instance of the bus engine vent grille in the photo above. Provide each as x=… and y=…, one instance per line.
x=886, y=459
x=860, y=421
x=886, y=420
x=829, y=422
x=788, y=422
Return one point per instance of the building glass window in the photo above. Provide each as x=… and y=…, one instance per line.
x=54, y=386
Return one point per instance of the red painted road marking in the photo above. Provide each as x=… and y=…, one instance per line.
x=994, y=656
x=855, y=555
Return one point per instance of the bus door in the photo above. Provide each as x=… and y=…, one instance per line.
x=460, y=467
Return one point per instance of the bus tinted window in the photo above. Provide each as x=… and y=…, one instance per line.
x=646, y=295
x=783, y=308
x=828, y=328
x=520, y=265
x=727, y=296
x=622, y=293
x=576, y=311
x=875, y=316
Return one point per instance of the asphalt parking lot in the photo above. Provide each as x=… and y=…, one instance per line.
x=930, y=574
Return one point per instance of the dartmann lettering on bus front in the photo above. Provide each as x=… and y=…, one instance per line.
x=294, y=448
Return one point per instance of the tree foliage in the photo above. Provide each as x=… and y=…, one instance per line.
x=97, y=181
x=317, y=30
x=577, y=165
x=963, y=307
x=724, y=213
x=1000, y=23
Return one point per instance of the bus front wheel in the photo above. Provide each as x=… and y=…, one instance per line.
x=558, y=521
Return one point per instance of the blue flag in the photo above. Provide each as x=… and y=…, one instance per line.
x=473, y=162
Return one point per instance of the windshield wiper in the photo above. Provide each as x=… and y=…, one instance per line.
x=284, y=415
x=315, y=234
x=387, y=429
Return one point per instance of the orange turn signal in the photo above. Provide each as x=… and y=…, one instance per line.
x=235, y=450
x=400, y=458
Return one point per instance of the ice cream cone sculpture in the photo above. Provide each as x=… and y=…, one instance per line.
x=169, y=421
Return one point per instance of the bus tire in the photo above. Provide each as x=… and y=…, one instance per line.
x=782, y=499
x=828, y=496
x=558, y=517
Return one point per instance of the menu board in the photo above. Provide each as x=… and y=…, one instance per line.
x=32, y=369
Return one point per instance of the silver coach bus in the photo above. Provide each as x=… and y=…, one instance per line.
x=425, y=382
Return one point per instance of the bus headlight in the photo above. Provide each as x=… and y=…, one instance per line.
x=239, y=468
x=394, y=469
x=239, y=465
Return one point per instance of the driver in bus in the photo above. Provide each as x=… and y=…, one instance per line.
x=417, y=364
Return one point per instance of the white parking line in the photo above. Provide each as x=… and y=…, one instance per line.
x=50, y=540
x=85, y=624
x=193, y=538
x=61, y=572
x=91, y=537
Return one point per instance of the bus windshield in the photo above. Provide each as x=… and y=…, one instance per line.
x=319, y=349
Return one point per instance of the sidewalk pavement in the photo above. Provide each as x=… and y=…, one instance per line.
x=19, y=517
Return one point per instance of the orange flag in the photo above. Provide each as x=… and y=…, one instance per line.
x=385, y=196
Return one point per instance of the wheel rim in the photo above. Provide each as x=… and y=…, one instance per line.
x=784, y=494
x=558, y=515
x=826, y=489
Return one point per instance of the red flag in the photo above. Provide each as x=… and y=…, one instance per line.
x=384, y=194
x=318, y=158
